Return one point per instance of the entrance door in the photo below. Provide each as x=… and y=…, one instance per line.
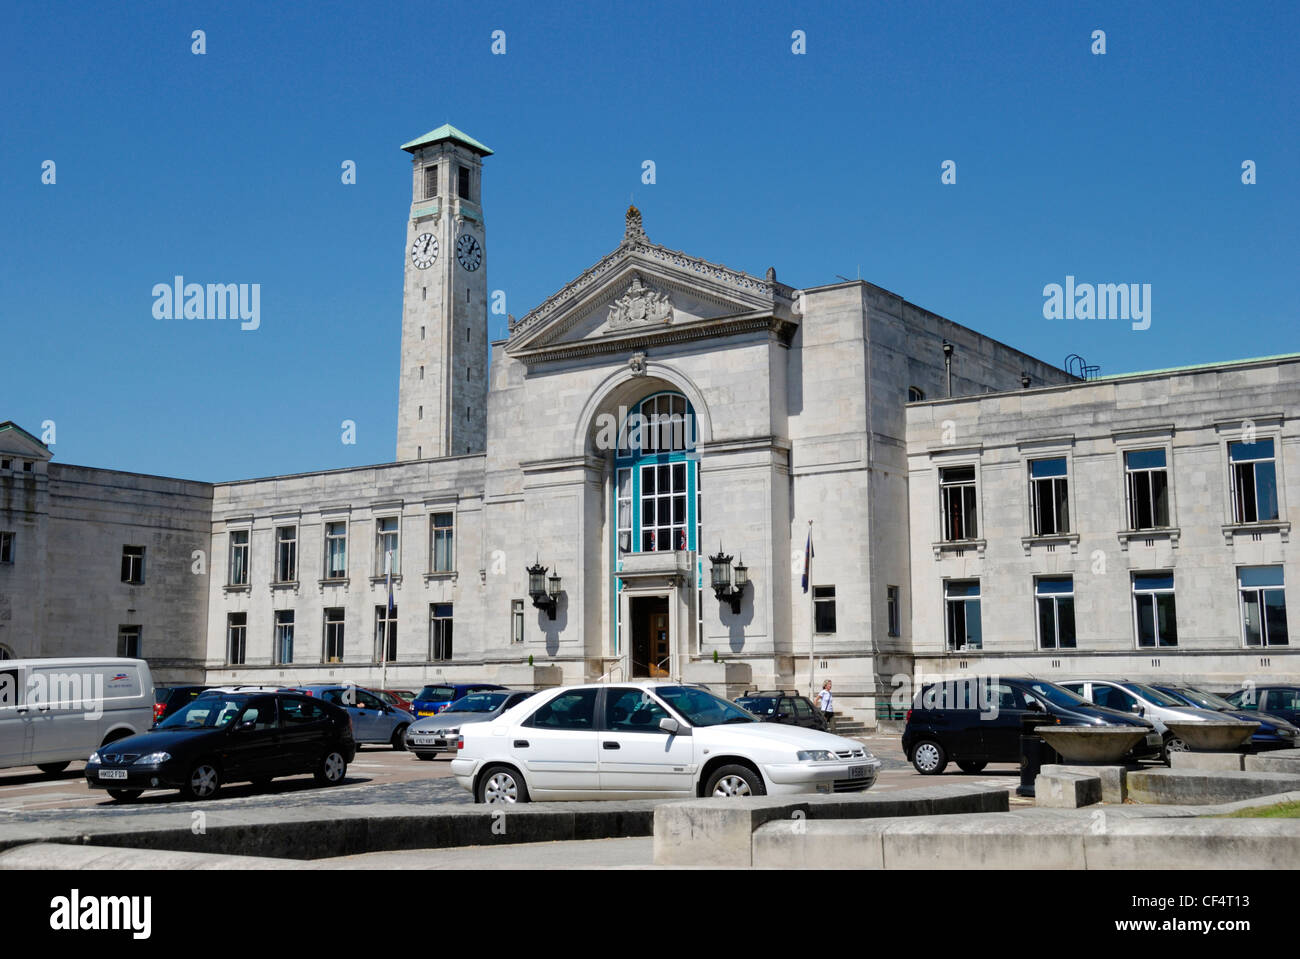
x=650, y=650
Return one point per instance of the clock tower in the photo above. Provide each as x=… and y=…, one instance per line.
x=442, y=397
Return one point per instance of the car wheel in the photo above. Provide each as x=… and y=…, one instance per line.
x=399, y=738
x=929, y=758
x=203, y=782
x=501, y=784
x=333, y=767
x=425, y=756
x=125, y=795
x=967, y=766
x=735, y=781
x=1173, y=745
x=52, y=769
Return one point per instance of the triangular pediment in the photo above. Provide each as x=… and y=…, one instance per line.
x=642, y=293
x=16, y=441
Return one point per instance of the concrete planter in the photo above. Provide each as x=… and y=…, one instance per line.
x=1092, y=745
x=1214, y=737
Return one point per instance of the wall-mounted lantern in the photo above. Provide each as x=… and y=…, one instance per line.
x=545, y=590
x=728, y=584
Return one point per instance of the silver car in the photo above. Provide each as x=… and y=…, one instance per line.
x=1147, y=702
x=437, y=734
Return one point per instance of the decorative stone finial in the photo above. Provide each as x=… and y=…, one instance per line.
x=771, y=274
x=633, y=231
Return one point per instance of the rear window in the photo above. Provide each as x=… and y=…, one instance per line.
x=437, y=694
x=758, y=705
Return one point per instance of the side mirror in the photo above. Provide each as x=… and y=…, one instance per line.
x=669, y=725
x=1139, y=709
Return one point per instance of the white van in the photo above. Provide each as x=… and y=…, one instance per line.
x=53, y=711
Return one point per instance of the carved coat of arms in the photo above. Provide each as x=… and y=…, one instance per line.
x=639, y=305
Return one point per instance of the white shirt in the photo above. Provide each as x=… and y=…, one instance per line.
x=824, y=698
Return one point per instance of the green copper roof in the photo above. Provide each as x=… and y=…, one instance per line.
x=1199, y=366
x=446, y=132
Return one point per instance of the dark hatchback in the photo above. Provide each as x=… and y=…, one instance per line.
x=782, y=706
x=1281, y=701
x=974, y=722
x=228, y=737
x=436, y=697
x=1274, y=732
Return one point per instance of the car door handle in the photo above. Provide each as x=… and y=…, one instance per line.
x=521, y=744
x=610, y=744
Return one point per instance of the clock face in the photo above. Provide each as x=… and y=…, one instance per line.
x=468, y=252
x=424, y=250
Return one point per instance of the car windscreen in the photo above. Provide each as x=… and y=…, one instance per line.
x=437, y=694
x=1058, y=695
x=1156, y=696
x=758, y=705
x=1202, y=698
x=701, y=708
x=477, y=703
x=206, y=712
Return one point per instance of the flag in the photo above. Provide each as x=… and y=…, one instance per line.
x=807, y=560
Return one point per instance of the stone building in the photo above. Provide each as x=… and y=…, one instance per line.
x=659, y=421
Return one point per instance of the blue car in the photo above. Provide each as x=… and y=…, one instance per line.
x=436, y=697
x=1274, y=732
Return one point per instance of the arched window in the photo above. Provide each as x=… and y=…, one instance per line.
x=6, y=652
x=656, y=484
x=915, y=395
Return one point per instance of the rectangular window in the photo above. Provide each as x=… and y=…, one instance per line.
x=663, y=507
x=961, y=600
x=6, y=547
x=387, y=553
x=1049, y=502
x=284, y=636
x=957, y=493
x=1254, y=481
x=128, y=642
x=385, y=634
x=891, y=602
x=462, y=182
x=1054, y=596
x=442, y=556
x=623, y=495
x=334, y=618
x=236, y=638
x=1147, y=481
x=133, y=565
x=1153, y=609
x=824, y=609
x=516, y=621
x=439, y=632
x=336, y=550
x=1263, y=605
x=286, y=554
x=430, y=181
x=238, y=558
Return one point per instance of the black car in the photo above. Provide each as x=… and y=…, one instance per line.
x=974, y=722
x=1279, y=700
x=228, y=737
x=168, y=699
x=1274, y=732
x=782, y=706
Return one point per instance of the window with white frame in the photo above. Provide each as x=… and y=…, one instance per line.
x=1054, y=596
x=238, y=558
x=1263, y=605
x=957, y=500
x=663, y=506
x=334, y=623
x=1049, y=501
x=623, y=496
x=516, y=621
x=1146, y=480
x=128, y=642
x=824, y=609
x=284, y=636
x=236, y=638
x=133, y=565
x=1154, y=612
x=961, y=598
x=388, y=555
x=440, y=617
x=336, y=549
x=385, y=634
x=286, y=554
x=1254, y=481
x=442, y=553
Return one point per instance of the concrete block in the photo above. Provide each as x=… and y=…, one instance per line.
x=990, y=841
x=1221, y=762
x=1066, y=790
x=1203, y=787
x=1114, y=779
x=1199, y=843
x=820, y=844
x=1274, y=762
x=715, y=832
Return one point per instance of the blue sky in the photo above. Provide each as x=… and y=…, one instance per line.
x=225, y=167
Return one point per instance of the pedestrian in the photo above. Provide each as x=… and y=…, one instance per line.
x=827, y=705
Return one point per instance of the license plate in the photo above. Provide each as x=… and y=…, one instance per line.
x=422, y=741
x=424, y=712
x=112, y=774
x=857, y=772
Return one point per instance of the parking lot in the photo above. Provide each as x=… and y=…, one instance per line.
x=378, y=774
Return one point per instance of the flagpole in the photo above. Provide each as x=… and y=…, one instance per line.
x=388, y=625
x=812, y=617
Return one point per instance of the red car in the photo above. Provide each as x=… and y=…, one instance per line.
x=401, y=698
